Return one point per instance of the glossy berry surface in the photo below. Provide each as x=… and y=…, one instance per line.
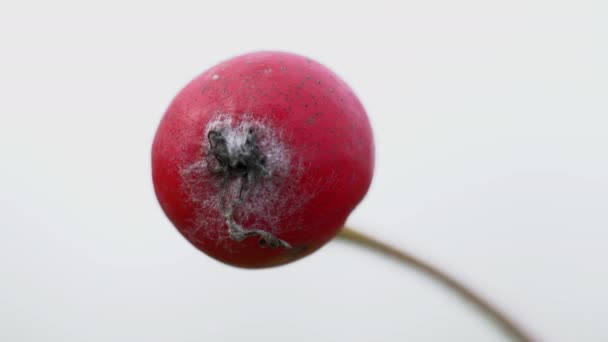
x=259, y=160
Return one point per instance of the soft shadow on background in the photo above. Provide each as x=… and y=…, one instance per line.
x=491, y=123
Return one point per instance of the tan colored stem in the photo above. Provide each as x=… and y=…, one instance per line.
x=507, y=325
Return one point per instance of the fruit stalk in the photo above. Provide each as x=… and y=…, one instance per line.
x=508, y=326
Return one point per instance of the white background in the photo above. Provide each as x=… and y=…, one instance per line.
x=491, y=121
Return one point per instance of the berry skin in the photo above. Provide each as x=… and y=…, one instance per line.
x=259, y=160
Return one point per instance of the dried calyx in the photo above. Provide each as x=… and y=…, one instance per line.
x=246, y=164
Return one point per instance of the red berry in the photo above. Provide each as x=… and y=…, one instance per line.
x=260, y=160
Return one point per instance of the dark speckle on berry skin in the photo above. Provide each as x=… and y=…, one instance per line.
x=318, y=82
x=311, y=119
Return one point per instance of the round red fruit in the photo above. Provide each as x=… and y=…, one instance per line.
x=259, y=160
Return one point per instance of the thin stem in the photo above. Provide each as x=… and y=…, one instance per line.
x=507, y=325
